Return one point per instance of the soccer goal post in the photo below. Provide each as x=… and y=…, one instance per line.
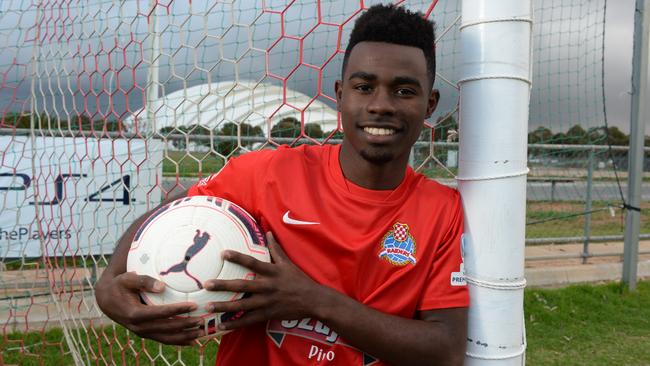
x=494, y=97
x=107, y=107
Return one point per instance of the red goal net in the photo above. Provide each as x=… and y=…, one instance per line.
x=107, y=107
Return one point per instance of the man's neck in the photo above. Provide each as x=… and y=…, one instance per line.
x=365, y=174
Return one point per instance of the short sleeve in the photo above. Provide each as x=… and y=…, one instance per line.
x=239, y=181
x=446, y=286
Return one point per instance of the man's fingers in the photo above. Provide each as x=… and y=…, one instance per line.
x=170, y=325
x=245, y=304
x=154, y=312
x=252, y=286
x=247, y=319
x=133, y=281
x=277, y=254
x=247, y=261
x=182, y=338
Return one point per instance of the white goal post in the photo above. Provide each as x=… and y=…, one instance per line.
x=494, y=97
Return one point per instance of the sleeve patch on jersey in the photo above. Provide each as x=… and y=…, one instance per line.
x=458, y=278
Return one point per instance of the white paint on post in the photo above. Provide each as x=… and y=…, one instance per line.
x=494, y=97
x=637, y=134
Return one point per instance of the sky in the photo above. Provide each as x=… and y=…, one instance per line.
x=558, y=107
x=618, y=61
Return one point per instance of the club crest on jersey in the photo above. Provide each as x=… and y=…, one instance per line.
x=398, y=246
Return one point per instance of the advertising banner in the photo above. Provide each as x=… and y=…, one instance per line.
x=73, y=196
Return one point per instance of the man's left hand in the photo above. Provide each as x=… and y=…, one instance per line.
x=279, y=291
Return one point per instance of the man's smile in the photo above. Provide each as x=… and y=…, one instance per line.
x=379, y=131
x=378, y=134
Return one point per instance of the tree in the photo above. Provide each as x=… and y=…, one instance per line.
x=335, y=134
x=227, y=146
x=559, y=138
x=617, y=137
x=314, y=130
x=541, y=135
x=176, y=143
x=17, y=120
x=184, y=135
x=81, y=123
x=596, y=135
x=44, y=122
x=577, y=135
x=287, y=127
x=113, y=125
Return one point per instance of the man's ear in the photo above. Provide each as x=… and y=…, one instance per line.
x=432, y=103
x=338, y=90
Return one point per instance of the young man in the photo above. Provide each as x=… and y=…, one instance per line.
x=366, y=263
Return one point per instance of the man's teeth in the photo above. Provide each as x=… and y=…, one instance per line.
x=379, y=131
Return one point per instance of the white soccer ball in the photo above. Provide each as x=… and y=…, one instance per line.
x=181, y=245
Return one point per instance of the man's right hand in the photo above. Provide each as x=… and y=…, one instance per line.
x=118, y=297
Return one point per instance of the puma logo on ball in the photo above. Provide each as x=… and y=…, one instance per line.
x=200, y=240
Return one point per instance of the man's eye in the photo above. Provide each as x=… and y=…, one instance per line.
x=405, y=92
x=363, y=88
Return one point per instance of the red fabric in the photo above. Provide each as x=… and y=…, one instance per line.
x=343, y=250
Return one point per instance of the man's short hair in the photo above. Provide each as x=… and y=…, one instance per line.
x=394, y=24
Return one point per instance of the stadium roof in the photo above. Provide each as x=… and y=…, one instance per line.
x=212, y=105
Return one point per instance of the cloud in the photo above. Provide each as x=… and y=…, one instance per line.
x=85, y=55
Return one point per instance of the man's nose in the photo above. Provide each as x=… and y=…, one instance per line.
x=381, y=102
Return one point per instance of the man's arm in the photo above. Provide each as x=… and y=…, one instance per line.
x=437, y=337
x=283, y=291
x=117, y=294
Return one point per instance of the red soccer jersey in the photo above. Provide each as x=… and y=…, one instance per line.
x=397, y=251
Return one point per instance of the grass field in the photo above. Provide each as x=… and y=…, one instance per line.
x=561, y=224
x=588, y=325
x=564, y=219
x=105, y=346
x=544, y=218
x=577, y=325
x=182, y=164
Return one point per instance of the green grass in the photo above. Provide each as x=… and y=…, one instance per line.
x=102, y=346
x=556, y=215
x=183, y=164
x=576, y=325
x=558, y=226
x=564, y=219
x=34, y=348
x=34, y=263
x=588, y=325
x=188, y=164
x=438, y=172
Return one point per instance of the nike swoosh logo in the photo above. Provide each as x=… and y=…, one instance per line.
x=288, y=220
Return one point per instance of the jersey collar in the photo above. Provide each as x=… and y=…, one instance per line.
x=347, y=187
